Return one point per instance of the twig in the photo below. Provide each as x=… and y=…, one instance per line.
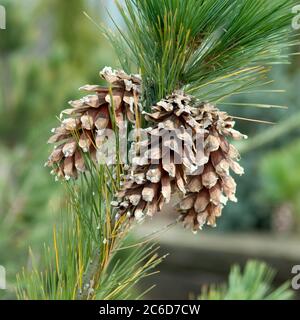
x=87, y=290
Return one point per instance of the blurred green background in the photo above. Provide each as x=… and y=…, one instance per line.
x=48, y=50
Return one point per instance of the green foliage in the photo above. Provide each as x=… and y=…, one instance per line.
x=41, y=69
x=87, y=249
x=210, y=48
x=254, y=209
x=254, y=283
x=10, y=39
x=73, y=31
x=37, y=79
x=281, y=170
x=269, y=135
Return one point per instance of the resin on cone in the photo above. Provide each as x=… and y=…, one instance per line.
x=81, y=131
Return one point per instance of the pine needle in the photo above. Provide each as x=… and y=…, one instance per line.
x=253, y=120
x=256, y=105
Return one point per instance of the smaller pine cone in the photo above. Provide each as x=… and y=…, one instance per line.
x=82, y=129
x=168, y=166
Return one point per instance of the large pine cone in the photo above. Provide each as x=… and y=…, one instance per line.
x=170, y=161
x=82, y=130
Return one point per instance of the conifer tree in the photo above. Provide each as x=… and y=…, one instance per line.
x=179, y=61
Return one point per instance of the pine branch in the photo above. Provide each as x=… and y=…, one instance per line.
x=254, y=283
x=196, y=44
x=210, y=49
x=85, y=261
x=86, y=243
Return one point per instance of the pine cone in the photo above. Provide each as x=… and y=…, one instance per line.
x=169, y=162
x=82, y=130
